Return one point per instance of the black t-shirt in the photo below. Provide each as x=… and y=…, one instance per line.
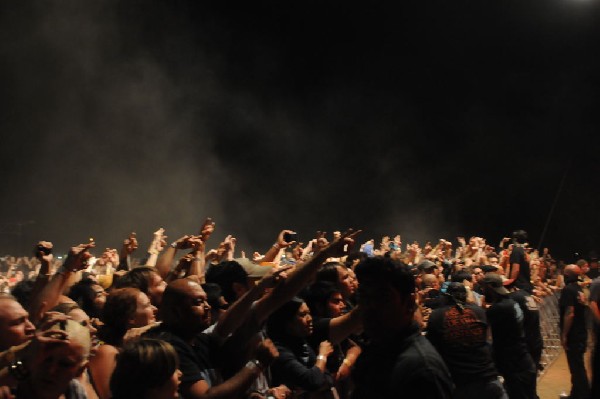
x=523, y=280
x=510, y=350
x=461, y=338
x=572, y=295
x=196, y=362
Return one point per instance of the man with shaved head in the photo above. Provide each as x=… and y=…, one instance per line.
x=185, y=313
x=573, y=330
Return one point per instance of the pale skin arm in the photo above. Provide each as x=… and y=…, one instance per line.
x=198, y=264
x=50, y=294
x=158, y=244
x=165, y=260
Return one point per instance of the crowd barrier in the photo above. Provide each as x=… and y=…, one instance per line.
x=549, y=325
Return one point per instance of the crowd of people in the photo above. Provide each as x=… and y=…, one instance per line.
x=330, y=318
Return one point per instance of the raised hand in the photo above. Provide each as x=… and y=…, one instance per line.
x=77, y=258
x=281, y=242
x=44, y=251
x=130, y=244
x=338, y=248
x=196, y=243
x=159, y=241
x=208, y=227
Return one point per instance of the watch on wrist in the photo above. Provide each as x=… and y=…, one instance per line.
x=253, y=364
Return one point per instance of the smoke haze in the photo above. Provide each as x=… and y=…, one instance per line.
x=429, y=121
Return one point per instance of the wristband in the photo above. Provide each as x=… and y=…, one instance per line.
x=276, y=246
x=321, y=357
x=347, y=362
x=253, y=364
x=173, y=244
x=198, y=260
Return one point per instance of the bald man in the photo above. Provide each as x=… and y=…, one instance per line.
x=53, y=374
x=573, y=330
x=185, y=313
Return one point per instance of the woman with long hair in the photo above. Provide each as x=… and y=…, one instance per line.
x=125, y=308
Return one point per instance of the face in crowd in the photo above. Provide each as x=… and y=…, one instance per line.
x=15, y=327
x=346, y=281
x=301, y=325
x=61, y=363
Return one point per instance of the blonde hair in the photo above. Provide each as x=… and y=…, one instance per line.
x=76, y=333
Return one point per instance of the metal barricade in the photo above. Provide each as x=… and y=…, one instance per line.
x=549, y=326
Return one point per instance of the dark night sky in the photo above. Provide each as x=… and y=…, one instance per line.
x=432, y=120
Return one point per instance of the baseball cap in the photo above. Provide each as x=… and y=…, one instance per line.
x=494, y=281
x=488, y=268
x=254, y=270
x=426, y=265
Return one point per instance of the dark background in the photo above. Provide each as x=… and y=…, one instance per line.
x=429, y=119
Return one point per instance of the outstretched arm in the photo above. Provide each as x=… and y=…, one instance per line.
x=303, y=274
x=278, y=246
x=76, y=260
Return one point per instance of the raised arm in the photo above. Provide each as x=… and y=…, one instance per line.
x=130, y=244
x=198, y=262
x=278, y=246
x=237, y=312
x=165, y=260
x=303, y=274
x=76, y=260
x=44, y=254
x=159, y=241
